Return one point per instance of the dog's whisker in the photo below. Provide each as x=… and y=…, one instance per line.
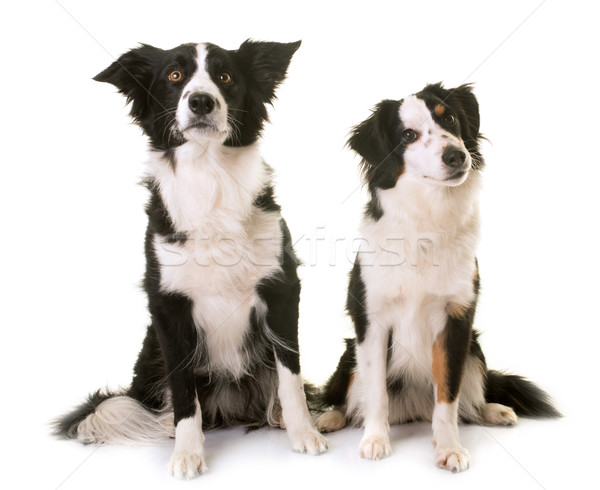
x=210, y=359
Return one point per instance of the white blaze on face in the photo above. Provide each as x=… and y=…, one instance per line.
x=423, y=157
x=213, y=124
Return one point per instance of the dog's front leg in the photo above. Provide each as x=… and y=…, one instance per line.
x=371, y=357
x=450, y=351
x=173, y=321
x=282, y=297
x=303, y=436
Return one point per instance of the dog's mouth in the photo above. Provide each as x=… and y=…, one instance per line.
x=203, y=129
x=202, y=126
x=454, y=179
x=457, y=175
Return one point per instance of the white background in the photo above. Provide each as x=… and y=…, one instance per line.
x=72, y=222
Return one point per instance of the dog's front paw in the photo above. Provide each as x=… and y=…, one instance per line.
x=186, y=465
x=375, y=447
x=308, y=441
x=454, y=459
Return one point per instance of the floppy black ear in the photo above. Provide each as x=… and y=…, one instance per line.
x=377, y=141
x=267, y=64
x=465, y=102
x=132, y=75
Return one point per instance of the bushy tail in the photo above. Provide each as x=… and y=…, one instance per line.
x=106, y=417
x=334, y=392
x=523, y=396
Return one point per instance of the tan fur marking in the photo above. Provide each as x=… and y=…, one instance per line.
x=350, y=382
x=439, y=110
x=440, y=370
x=456, y=310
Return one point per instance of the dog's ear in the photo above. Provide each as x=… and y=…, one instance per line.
x=267, y=64
x=132, y=75
x=377, y=141
x=464, y=101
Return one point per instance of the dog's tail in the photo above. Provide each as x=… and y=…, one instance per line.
x=524, y=397
x=108, y=417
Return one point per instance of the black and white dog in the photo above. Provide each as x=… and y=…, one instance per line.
x=221, y=281
x=414, y=286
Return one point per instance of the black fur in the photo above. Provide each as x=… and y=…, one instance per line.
x=334, y=392
x=378, y=142
x=266, y=200
x=141, y=75
x=282, y=297
x=355, y=303
x=462, y=103
x=378, y=138
x=174, y=365
x=66, y=425
x=525, y=398
x=256, y=68
x=457, y=339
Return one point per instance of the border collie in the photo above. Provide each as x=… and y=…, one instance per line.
x=221, y=281
x=414, y=285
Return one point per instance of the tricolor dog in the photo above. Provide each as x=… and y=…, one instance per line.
x=414, y=286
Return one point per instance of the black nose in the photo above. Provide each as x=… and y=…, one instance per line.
x=201, y=103
x=454, y=157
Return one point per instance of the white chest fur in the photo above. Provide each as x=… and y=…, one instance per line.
x=416, y=259
x=230, y=246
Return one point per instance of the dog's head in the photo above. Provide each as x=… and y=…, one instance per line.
x=432, y=136
x=201, y=91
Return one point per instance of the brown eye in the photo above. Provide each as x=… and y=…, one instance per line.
x=224, y=78
x=175, y=76
x=409, y=135
x=449, y=119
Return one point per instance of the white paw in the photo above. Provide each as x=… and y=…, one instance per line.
x=375, y=447
x=308, y=441
x=186, y=465
x=454, y=459
x=496, y=414
x=331, y=421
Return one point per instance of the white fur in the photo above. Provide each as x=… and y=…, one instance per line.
x=187, y=460
x=449, y=454
x=371, y=364
x=416, y=260
x=296, y=419
x=496, y=414
x=201, y=82
x=437, y=229
x=417, y=400
x=423, y=158
x=209, y=196
x=330, y=421
x=123, y=420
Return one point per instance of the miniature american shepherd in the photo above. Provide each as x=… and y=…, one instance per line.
x=414, y=285
x=223, y=293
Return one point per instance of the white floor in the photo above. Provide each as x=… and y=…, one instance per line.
x=532, y=455
x=72, y=317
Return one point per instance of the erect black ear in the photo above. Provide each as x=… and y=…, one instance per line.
x=376, y=140
x=267, y=64
x=132, y=75
x=464, y=101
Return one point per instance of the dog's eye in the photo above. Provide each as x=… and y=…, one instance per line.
x=409, y=135
x=224, y=78
x=449, y=119
x=175, y=76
